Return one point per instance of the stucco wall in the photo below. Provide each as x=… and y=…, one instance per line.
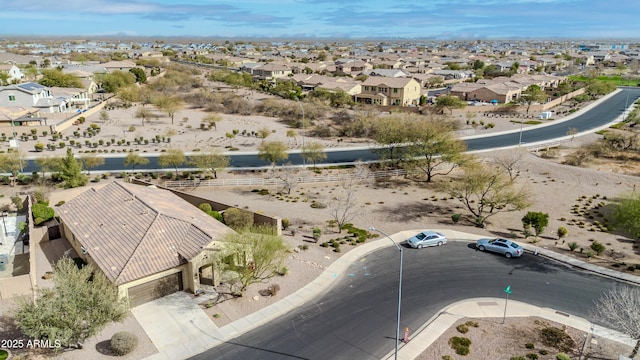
x=261, y=219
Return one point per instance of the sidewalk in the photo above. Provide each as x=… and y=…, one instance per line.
x=173, y=343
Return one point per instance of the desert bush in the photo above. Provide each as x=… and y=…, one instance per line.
x=597, y=247
x=562, y=356
x=237, y=218
x=317, y=232
x=529, y=346
x=573, y=245
x=556, y=338
x=455, y=218
x=520, y=357
x=462, y=328
x=123, y=343
x=532, y=356
x=17, y=202
x=460, y=345
x=206, y=207
x=562, y=232
x=285, y=223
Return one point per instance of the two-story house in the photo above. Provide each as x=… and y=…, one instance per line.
x=384, y=91
x=271, y=71
x=31, y=95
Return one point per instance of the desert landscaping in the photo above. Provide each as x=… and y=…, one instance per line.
x=575, y=197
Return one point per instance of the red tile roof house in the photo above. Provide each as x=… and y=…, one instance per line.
x=148, y=241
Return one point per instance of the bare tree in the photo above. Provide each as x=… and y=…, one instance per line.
x=289, y=176
x=509, y=161
x=620, y=309
x=344, y=207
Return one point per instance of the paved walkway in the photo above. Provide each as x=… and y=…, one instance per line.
x=180, y=329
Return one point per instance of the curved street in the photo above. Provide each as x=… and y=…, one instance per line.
x=598, y=116
x=356, y=317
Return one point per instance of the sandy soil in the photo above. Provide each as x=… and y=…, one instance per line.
x=493, y=340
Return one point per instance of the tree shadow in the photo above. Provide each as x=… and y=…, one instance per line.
x=413, y=210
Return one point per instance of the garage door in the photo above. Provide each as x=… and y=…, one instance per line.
x=155, y=289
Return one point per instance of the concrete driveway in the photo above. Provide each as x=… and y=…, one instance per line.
x=177, y=326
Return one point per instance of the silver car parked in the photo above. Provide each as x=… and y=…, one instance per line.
x=501, y=246
x=427, y=238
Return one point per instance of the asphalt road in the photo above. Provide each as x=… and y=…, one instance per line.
x=600, y=115
x=356, y=318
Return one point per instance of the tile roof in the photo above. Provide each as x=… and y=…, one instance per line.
x=132, y=231
x=390, y=82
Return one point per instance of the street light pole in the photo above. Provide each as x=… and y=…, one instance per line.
x=399, y=288
x=520, y=139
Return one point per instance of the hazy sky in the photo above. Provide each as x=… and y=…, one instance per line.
x=441, y=19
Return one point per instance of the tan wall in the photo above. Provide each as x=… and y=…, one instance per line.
x=69, y=122
x=260, y=219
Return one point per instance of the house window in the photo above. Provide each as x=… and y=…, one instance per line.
x=382, y=89
x=395, y=91
x=12, y=98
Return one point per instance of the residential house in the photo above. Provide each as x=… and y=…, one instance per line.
x=13, y=72
x=350, y=66
x=31, y=95
x=124, y=65
x=76, y=99
x=148, y=241
x=271, y=71
x=386, y=73
x=495, y=92
x=385, y=91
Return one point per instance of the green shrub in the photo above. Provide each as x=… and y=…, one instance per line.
x=562, y=232
x=529, y=346
x=123, y=343
x=517, y=358
x=206, y=207
x=462, y=328
x=460, y=345
x=446, y=357
x=317, y=232
x=216, y=215
x=532, y=356
x=455, y=218
x=285, y=224
x=59, y=203
x=543, y=352
x=573, y=245
x=18, y=202
x=41, y=198
x=597, y=247
x=41, y=213
x=238, y=219
x=471, y=323
x=562, y=356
